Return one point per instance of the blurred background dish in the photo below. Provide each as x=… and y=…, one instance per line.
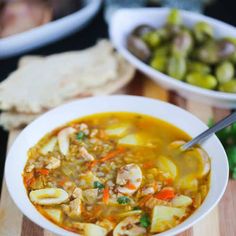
x=25, y=25
x=124, y=22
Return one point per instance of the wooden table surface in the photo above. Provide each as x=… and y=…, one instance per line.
x=220, y=222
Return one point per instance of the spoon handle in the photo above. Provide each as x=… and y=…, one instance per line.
x=228, y=120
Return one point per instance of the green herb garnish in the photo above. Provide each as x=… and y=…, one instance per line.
x=81, y=135
x=123, y=200
x=227, y=137
x=145, y=221
x=136, y=208
x=98, y=185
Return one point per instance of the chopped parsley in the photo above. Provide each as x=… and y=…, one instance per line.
x=98, y=185
x=145, y=221
x=136, y=208
x=123, y=200
x=81, y=135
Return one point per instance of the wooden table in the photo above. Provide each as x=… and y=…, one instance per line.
x=220, y=222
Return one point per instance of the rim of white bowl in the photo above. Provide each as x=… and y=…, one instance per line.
x=40, y=220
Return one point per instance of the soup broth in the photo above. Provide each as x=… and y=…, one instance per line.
x=116, y=174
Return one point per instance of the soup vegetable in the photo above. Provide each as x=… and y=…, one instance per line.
x=192, y=55
x=116, y=174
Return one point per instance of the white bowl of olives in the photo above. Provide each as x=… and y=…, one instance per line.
x=183, y=51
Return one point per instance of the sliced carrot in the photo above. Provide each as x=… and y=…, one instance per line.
x=111, y=218
x=130, y=186
x=42, y=171
x=113, y=154
x=109, y=156
x=169, y=181
x=92, y=164
x=106, y=196
x=148, y=165
x=165, y=194
x=62, y=182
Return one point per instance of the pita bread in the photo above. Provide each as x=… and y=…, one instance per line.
x=47, y=82
x=12, y=120
x=26, y=60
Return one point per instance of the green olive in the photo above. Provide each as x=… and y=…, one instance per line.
x=202, y=31
x=206, y=81
x=152, y=39
x=162, y=50
x=229, y=87
x=159, y=63
x=139, y=48
x=182, y=43
x=224, y=72
x=208, y=53
x=177, y=67
x=196, y=66
x=163, y=33
x=174, y=17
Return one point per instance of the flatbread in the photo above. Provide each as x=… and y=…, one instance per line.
x=12, y=120
x=48, y=82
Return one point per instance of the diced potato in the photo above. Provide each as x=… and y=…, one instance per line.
x=131, y=139
x=130, y=213
x=129, y=226
x=106, y=224
x=54, y=214
x=87, y=180
x=205, y=160
x=188, y=182
x=90, y=195
x=166, y=165
x=164, y=217
x=93, y=229
x=182, y=201
x=116, y=131
x=49, y=146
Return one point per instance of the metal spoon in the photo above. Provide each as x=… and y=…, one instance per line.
x=228, y=120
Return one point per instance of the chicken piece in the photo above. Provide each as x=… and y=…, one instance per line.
x=84, y=128
x=85, y=155
x=107, y=224
x=147, y=190
x=73, y=210
x=129, y=178
x=90, y=195
x=87, y=180
x=20, y=16
x=29, y=168
x=77, y=193
x=152, y=202
x=53, y=163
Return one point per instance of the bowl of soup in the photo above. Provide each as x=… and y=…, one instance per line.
x=113, y=165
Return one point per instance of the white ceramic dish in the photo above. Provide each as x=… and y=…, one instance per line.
x=17, y=155
x=124, y=21
x=49, y=32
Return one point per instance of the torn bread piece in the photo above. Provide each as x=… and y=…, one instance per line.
x=61, y=77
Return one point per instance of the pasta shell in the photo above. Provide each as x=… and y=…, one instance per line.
x=48, y=196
